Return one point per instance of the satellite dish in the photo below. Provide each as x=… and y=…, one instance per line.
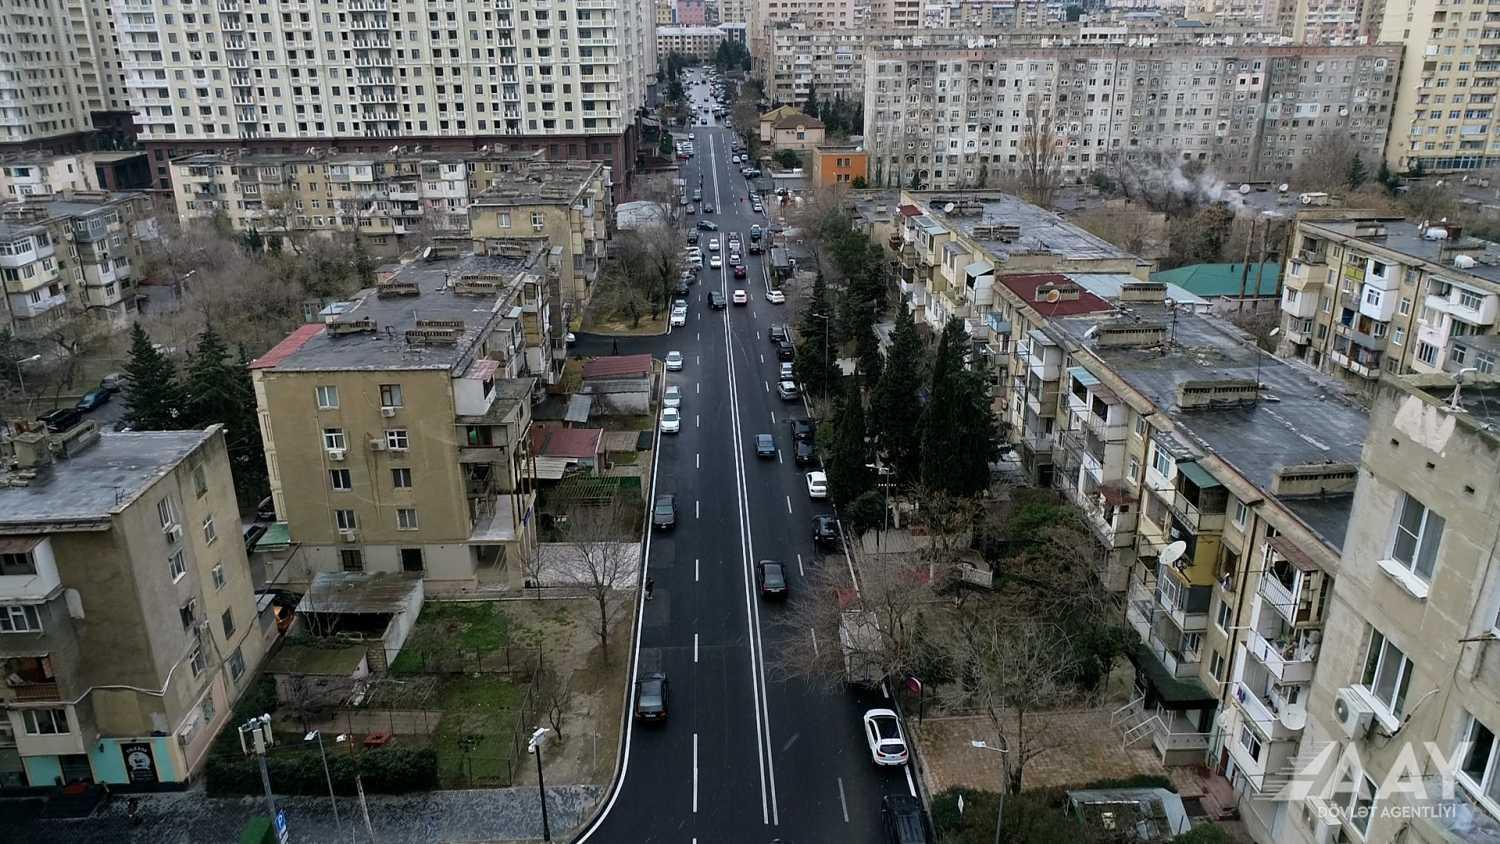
x=1274, y=332
x=1091, y=333
x=1053, y=297
x=1245, y=189
x=1284, y=187
x=948, y=208
x=1173, y=552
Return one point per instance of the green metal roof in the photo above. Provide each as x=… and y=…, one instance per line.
x=1175, y=693
x=277, y=536
x=1198, y=475
x=1209, y=280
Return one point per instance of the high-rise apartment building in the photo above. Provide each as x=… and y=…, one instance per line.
x=956, y=118
x=568, y=79
x=1445, y=105
x=60, y=78
x=128, y=620
x=816, y=14
x=734, y=11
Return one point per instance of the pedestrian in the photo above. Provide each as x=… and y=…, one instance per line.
x=650, y=587
x=614, y=347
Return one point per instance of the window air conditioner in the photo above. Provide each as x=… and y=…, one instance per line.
x=336, y=454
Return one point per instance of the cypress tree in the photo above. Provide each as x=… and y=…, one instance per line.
x=958, y=428
x=815, y=354
x=153, y=397
x=848, y=472
x=895, y=407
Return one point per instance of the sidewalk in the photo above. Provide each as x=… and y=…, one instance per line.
x=484, y=815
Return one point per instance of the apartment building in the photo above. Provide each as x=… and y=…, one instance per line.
x=1365, y=296
x=807, y=58
x=28, y=174
x=955, y=118
x=1445, y=102
x=71, y=254
x=665, y=13
x=566, y=209
x=816, y=14
x=691, y=13
x=61, y=87
x=734, y=11
x=128, y=620
x=395, y=430
x=1408, y=653
x=450, y=76
x=699, y=42
x=839, y=164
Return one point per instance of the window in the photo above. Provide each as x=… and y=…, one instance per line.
x=328, y=397
x=406, y=518
x=351, y=559
x=1222, y=618
x=1387, y=673
x=1250, y=741
x=1161, y=462
x=187, y=613
x=218, y=575
x=227, y=620
x=1354, y=798
x=20, y=619
x=166, y=513
x=339, y=479
x=176, y=565
x=390, y=395
x=1398, y=336
x=345, y=520
x=1135, y=470
x=45, y=722
x=237, y=665
x=1241, y=513
x=401, y=478
x=333, y=438
x=1216, y=666
x=411, y=560
x=21, y=563
x=395, y=439
x=200, y=481
x=1418, y=533
x=210, y=533
x=198, y=662
x=1478, y=769
x=1405, y=306
x=1426, y=352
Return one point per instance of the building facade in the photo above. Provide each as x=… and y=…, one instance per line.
x=447, y=76
x=60, y=78
x=839, y=164
x=699, y=42
x=128, y=620
x=1445, y=104
x=816, y=14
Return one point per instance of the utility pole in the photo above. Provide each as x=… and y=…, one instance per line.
x=534, y=747
x=258, y=729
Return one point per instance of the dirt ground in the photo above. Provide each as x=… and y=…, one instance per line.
x=591, y=726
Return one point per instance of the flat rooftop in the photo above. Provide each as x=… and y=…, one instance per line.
x=1406, y=238
x=371, y=333
x=544, y=182
x=1480, y=400
x=95, y=483
x=1041, y=231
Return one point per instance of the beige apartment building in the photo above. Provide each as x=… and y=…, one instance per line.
x=1366, y=296
x=957, y=118
x=396, y=429
x=1445, y=102
x=68, y=255
x=699, y=42
x=128, y=620
x=816, y=14
x=60, y=77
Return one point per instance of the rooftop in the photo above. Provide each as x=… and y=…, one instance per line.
x=555, y=182
x=617, y=365
x=430, y=315
x=1225, y=279
x=359, y=592
x=1072, y=298
x=327, y=154
x=98, y=481
x=1111, y=285
x=1479, y=397
x=575, y=443
x=986, y=218
x=1407, y=238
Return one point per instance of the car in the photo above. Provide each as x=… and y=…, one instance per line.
x=664, y=512
x=771, y=578
x=757, y=249
x=672, y=396
x=674, y=361
x=804, y=429
x=698, y=196
x=570, y=338
x=713, y=244
x=765, y=445
x=903, y=819
x=693, y=237
x=93, y=400
x=265, y=511
x=695, y=261
x=885, y=737
x=785, y=371
x=735, y=159
x=755, y=232
x=741, y=297
x=692, y=209
x=679, y=317
x=692, y=137
x=817, y=485
x=708, y=225
x=825, y=530
x=775, y=297
x=671, y=420
x=785, y=350
x=651, y=693
x=61, y=419
x=682, y=288
x=739, y=270
x=716, y=300
x=734, y=253
x=787, y=390
x=804, y=454
x=715, y=262
x=708, y=209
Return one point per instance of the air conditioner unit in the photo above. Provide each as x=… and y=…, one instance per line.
x=388, y=412
x=349, y=535
x=336, y=454
x=377, y=444
x=1353, y=713
x=185, y=735
x=1321, y=819
x=173, y=533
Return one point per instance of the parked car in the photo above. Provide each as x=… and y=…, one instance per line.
x=785, y=350
x=771, y=578
x=757, y=249
x=825, y=531
x=885, y=737
x=61, y=419
x=664, y=512
x=787, y=390
x=804, y=429
x=817, y=485
x=651, y=693
x=265, y=511
x=775, y=297
x=674, y=361
x=804, y=453
x=765, y=445
x=114, y=382
x=777, y=333
x=672, y=396
x=679, y=316
x=717, y=301
x=756, y=232
x=671, y=420
x=693, y=237
x=904, y=821
x=93, y=400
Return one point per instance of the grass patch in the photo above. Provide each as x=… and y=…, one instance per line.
x=624, y=458
x=475, y=739
x=470, y=628
x=629, y=423
x=572, y=375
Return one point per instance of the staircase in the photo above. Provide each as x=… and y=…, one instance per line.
x=1134, y=722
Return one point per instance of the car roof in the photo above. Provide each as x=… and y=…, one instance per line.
x=665, y=498
x=819, y=476
x=760, y=438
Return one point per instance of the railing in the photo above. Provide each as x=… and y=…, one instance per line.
x=1196, y=519
x=37, y=691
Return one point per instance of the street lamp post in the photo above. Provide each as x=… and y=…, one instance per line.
x=534, y=747
x=20, y=377
x=359, y=786
x=1004, y=782
x=882, y=472
x=332, y=800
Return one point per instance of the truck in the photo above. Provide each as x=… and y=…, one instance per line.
x=860, y=641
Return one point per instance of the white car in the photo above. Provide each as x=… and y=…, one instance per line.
x=674, y=361
x=713, y=244
x=741, y=297
x=787, y=372
x=692, y=137
x=679, y=317
x=715, y=262
x=671, y=420
x=887, y=741
x=775, y=297
x=817, y=482
x=672, y=397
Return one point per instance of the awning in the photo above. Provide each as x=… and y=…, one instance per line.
x=1197, y=474
x=1083, y=376
x=1294, y=555
x=979, y=268
x=552, y=468
x=1174, y=693
x=18, y=544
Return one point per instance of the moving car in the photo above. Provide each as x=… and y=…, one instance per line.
x=708, y=225
x=804, y=429
x=903, y=820
x=716, y=300
x=739, y=270
x=651, y=692
x=887, y=741
x=787, y=390
x=803, y=453
x=708, y=209
x=756, y=232
x=817, y=485
x=697, y=195
x=757, y=249
x=672, y=397
x=771, y=578
x=741, y=297
x=715, y=262
x=674, y=361
x=713, y=244
x=93, y=400
x=825, y=531
x=765, y=445
x=664, y=513
x=775, y=297
x=671, y=420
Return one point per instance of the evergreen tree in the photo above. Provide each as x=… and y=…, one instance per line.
x=810, y=106
x=1386, y=178
x=252, y=241
x=867, y=349
x=958, y=428
x=209, y=383
x=815, y=354
x=364, y=265
x=153, y=397
x=849, y=474
x=1357, y=173
x=247, y=452
x=895, y=408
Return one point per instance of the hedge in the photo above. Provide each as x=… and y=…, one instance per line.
x=385, y=770
x=1038, y=816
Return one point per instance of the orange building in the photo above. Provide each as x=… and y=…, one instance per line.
x=839, y=164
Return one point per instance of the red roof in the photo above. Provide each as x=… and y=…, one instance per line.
x=910, y=211
x=617, y=366
x=1026, y=286
x=577, y=443
x=287, y=347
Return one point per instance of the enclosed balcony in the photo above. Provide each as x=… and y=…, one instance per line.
x=1198, y=501
x=1292, y=585
x=1279, y=710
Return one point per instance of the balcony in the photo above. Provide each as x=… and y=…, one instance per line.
x=1470, y=306
x=1291, y=584
x=1180, y=664
x=1288, y=661
x=1205, y=515
x=1298, y=303
x=1276, y=718
x=1365, y=365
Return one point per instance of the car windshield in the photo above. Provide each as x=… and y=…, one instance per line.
x=664, y=507
x=764, y=441
x=774, y=578
x=885, y=727
x=651, y=694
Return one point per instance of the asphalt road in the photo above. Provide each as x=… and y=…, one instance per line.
x=743, y=756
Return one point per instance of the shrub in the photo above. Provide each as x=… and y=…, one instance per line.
x=1038, y=816
x=1203, y=834
x=386, y=770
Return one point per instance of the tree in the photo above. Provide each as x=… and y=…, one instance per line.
x=1201, y=237
x=209, y=390
x=867, y=349
x=554, y=694
x=1356, y=173
x=664, y=146
x=810, y=105
x=252, y=241
x=603, y=560
x=1041, y=154
x=1386, y=178
x=815, y=349
x=896, y=406
x=859, y=183
x=959, y=438
x=364, y=266
x=849, y=474
x=1327, y=165
x=788, y=159
x=153, y=397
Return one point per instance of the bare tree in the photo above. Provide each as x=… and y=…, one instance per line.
x=554, y=692
x=604, y=560
x=1326, y=166
x=534, y=566
x=1042, y=150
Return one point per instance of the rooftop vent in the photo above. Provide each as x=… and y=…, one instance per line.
x=397, y=288
x=1128, y=335
x=435, y=333
x=1315, y=479
x=1003, y=232
x=1053, y=293
x=1224, y=392
x=352, y=326
x=1143, y=291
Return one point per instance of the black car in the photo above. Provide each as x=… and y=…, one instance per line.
x=708, y=226
x=803, y=429
x=664, y=514
x=682, y=288
x=61, y=419
x=756, y=248
x=785, y=351
x=804, y=453
x=904, y=821
x=765, y=445
x=771, y=578
x=693, y=237
x=825, y=531
x=708, y=209
x=717, y=301
x=651, y=693
x=777, y=333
